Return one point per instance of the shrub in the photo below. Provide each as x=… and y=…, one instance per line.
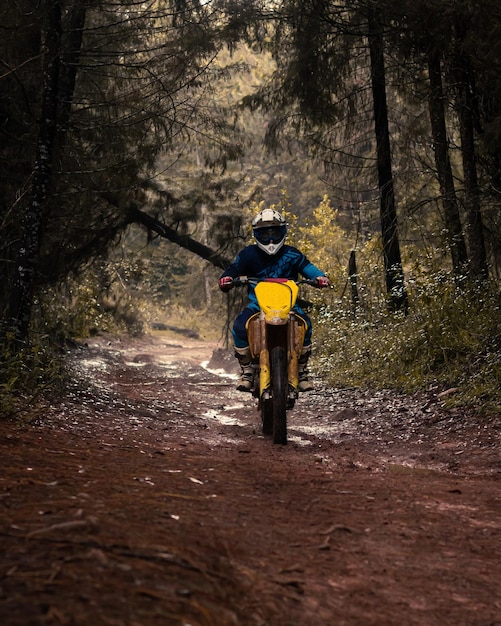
x=450, y=339
x=26, y=374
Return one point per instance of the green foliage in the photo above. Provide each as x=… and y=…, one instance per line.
x=143, y=283
x=26, y=374
x=450, y=340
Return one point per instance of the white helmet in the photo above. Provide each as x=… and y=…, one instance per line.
x=270, y=229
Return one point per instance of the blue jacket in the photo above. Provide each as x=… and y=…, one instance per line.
x=289, y=262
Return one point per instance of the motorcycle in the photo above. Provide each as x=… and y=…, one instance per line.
x=276, y=335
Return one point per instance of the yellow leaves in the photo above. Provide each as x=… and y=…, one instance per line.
x=321, y=238
x=324, y=241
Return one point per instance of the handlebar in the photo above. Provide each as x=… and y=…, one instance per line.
x=252, y=280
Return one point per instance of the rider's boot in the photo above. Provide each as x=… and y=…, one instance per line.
x=247, y=376
x=305, y=383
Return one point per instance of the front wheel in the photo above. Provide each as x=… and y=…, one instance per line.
x=279, y=389
x=267, y=416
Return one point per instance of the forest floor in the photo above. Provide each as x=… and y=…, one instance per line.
x=147, y=496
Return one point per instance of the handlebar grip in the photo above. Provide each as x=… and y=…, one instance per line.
x=240, y=280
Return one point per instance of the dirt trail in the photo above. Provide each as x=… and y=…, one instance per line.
x=147, y=496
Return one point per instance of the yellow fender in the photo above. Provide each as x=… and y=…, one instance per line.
x=276, y=298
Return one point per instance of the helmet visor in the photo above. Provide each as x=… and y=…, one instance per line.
x=270, y=234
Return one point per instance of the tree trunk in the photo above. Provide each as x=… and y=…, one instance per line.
x=455, y=238
x=70, y=58
x=395, y=284
x=353, y=276
x=22, y=292
x=475, y=232
x=205, y=237
x=136, y=216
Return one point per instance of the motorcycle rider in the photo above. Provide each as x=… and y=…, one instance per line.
x=269, y=257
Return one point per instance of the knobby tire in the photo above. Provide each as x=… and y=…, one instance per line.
x=267, y=416
x=279, y=388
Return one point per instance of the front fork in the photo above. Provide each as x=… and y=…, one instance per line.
x=296, y=333
x=262, y=337
x=264, y=361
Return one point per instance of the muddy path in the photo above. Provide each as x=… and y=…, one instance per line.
x=147, y=496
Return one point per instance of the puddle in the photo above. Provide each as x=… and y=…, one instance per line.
x=218, y=372
x=96, y=364
x=226, y=420
x=298, y=440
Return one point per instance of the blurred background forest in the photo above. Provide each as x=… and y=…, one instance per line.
x=138, y=138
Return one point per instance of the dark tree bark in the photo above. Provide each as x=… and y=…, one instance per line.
x=353, y=276
x=134, y=215
x=476, y=240
x=22, y=292
x=185, y=241
x=465, y=109
x=70, y=57
x=394, y=275
x=455, y=238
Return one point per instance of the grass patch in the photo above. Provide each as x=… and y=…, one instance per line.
x=26, y=375
x=451, y=338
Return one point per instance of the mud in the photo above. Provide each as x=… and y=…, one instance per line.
x=147, y=495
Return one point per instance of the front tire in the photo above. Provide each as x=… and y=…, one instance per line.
x=279, y=388
x=267, y=416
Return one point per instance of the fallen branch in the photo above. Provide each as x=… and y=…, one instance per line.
x=185, y=241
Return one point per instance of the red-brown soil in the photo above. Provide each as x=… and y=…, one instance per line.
x=148, y=496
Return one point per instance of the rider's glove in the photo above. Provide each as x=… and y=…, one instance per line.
x=226, y=283
x=322, y=282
